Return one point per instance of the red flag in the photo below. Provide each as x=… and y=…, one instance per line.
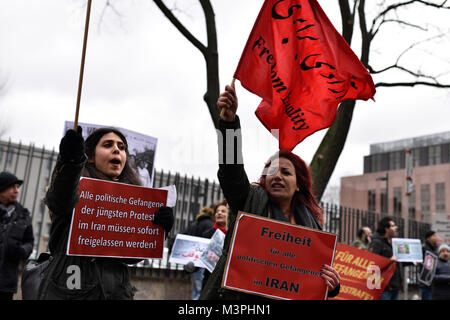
x=364, y=275
x=301, y=67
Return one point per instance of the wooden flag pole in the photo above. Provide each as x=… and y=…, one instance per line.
x=83, y=56
x=222, y=112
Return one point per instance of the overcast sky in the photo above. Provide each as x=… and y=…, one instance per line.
x=143, y=75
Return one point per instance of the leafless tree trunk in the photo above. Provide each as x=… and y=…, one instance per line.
x=208, y=51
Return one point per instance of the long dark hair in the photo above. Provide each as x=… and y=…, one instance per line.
x=305, y=194
x=128, y=174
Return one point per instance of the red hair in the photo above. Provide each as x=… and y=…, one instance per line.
x=305, y=194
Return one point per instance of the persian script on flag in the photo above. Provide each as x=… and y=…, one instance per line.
x=277, y=260
x=364, y=275
x=301, y=67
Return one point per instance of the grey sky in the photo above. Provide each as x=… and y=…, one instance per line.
x=141, y=74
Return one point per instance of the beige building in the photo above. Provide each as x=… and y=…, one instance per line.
x=385, y=168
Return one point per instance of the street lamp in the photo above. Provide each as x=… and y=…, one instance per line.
x=386, y=178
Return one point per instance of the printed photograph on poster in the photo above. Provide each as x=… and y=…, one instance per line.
x=213, y=251
x=407, y=250
x=142, y=149
x=188, y=249
x=429, y=268
x=441, y=224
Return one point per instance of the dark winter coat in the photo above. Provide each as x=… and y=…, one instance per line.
x=242, y=196
x=380, y=245
x=198, y=227
x=101, y=278
x=440, y=287
x=16, y=244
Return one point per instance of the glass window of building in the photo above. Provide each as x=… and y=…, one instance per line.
x=383, y=202
x=425, y=202
x=434, y=155
x=395, y=160
x=416, y=157
x=371, y=206
x=398, y=201
x=376, y=163
x=440, y=197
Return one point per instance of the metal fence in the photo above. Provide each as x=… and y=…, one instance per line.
x=35, y=165
x=345, y=222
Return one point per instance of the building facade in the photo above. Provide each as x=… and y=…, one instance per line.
x=384, y=187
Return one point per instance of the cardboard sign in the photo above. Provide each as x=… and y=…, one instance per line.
x=429, y=268
x=364, y=275
x=187, y=249
x=277, y=260
x=116, y=220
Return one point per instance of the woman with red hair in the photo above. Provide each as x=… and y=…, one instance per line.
x=283, y=192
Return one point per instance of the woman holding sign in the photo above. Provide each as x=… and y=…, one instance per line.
x=105, y=156
x=284, y=192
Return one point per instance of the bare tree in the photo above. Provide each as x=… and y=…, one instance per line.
x=329, y=150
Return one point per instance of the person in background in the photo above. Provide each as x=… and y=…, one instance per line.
x=202, y=223
x=283, y=192
x=16, y=234
x=431, y=244
x=440, y=287
x=104, y=156
x=381, y=244
x=364, y=238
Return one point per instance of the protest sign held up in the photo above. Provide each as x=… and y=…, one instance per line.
x=116, y=220
x=301, y=67
x=277, y=259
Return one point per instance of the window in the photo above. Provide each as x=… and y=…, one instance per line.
x=434, y=155
x=371, y=206
x=397, y=201
x=440, y=197
x=376, y=163
x=425, y=202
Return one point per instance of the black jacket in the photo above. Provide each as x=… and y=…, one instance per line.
x=242, y=196
x=101, y=278
x=380, y=245
x=440, y=287
x=427, y=247
x=16, y=244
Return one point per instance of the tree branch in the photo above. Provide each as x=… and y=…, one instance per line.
x=395, y=6
x=411, y=84
x=185, y=32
